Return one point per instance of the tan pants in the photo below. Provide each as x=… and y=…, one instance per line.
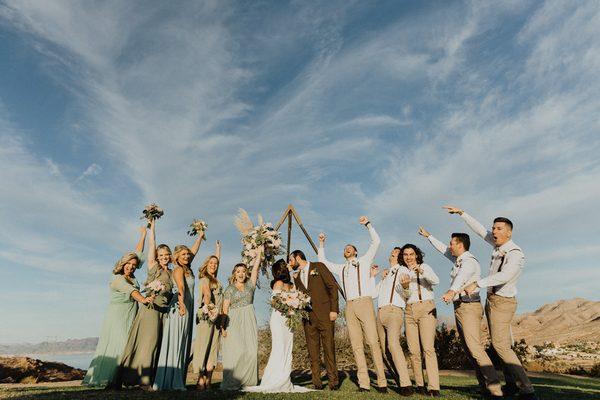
x=421, y=326
x=360, y=319
x=500, y=312
x=389, y=326
x=468, y=323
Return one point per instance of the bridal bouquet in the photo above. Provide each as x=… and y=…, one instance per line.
x=253, y=237
x=209, y=312
x=294, y=305
x=155, y=287
x=152, y=212
x=197, y=226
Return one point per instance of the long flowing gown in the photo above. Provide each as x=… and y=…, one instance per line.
x=276, y=376
x=240, y=346
x=138, y=365
x=119, y=316
x=171, y=370
x=206, y=345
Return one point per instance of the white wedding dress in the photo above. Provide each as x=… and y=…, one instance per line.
x=276, y=377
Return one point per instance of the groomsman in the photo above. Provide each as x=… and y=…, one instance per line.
x=467, y=308
x=390, y=318
x=505, y=268
x=359, y=286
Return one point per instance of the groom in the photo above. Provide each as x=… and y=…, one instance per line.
x=315, y=280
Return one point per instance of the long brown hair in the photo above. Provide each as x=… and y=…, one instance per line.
x=119, y=268
x=203, y=273
x=236, y=266
x=178, y=250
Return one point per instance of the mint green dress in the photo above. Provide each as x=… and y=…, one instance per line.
x=138, y=364
x=206, y=345
x=176, y=341
x=115, y=329
x=240, y=347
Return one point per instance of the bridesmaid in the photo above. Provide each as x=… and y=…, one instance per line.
x=240, y=339
x=140, y=356
x=124, y=296
x=206, y=345
x=177, y=331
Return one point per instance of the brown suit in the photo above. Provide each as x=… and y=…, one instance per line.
x=323, y=292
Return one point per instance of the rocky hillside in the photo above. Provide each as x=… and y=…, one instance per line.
x=562, y=322
x=67, y=346
x=29, y=370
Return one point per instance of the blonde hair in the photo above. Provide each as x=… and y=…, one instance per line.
x=120, y=265
x=203, y=273
x=236, y=266
x=180, y=248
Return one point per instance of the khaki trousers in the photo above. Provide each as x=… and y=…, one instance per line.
x=421, y=324
x=468, y=323
x=360, y=319
x=500, y=312
x=389, y=326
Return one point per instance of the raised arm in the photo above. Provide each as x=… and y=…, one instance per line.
x=218, y=250
x=439, y=246
x=256, y=264
x=335, y=268
x=152, y=262
x=197, y=243
x=369, y=256
x=475, y=225
x=178, y=276
x=139, y=248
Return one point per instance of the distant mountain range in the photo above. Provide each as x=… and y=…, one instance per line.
x=562, y=322
x=67, y=346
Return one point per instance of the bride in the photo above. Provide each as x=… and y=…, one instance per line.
x=276, y=376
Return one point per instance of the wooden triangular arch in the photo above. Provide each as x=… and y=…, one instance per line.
x=288, y=214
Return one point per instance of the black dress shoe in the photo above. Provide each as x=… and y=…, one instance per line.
x=318, y=387
x=406, y=391
x=381, y=389
x=421, y=390
x=510, y=389
x=362, y=389
x=434, y=393
x=527, y=396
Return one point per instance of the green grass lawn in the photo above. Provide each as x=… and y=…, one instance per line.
x=453, y=387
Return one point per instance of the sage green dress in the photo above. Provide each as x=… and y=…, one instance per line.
x=115, y=329
x=206, y=345
x=171, y=371
x=138, y=365
x=240, y=347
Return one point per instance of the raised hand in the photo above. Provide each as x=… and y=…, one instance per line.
x=385, y=273
x=453, y=210
x=363, y=220
x=322, y=238
x=142, y=229
x=374, y=270
x=423, y=232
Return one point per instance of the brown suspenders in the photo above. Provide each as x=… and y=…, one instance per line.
x=344, y=279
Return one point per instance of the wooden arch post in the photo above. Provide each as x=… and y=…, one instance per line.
x=288, y=214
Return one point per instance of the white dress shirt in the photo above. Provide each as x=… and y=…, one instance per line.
x=466, y=268
x=427, y=280
x=390, y=288
x=304, y=275
x=507, y=262
x=354, y=275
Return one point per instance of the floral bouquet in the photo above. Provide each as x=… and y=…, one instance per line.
x=208, y=312
x=253, y=237
x=154, y=288
x=294, y=305
x=152, y=212
x=197, y=226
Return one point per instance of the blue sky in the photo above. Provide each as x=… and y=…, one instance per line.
x=389, y=109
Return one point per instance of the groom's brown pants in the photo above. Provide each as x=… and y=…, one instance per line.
x=319, y=332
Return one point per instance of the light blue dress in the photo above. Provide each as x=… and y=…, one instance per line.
x=176, y=341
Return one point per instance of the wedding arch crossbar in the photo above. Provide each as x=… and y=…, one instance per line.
x=289, y=214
